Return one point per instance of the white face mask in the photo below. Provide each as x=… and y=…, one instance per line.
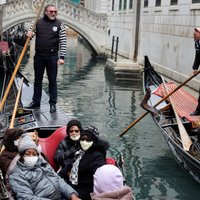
x=74, y=137
x=30, y=160
x=86, y=145
x=16, y=142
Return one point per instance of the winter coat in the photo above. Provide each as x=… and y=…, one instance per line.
x=38, y=182
x=92, y=159
x=65, y=154
x=6, y=158
x=124, y=193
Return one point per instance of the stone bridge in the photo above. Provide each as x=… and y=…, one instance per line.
x=90, y=25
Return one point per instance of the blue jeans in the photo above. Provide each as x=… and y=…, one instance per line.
x=50, y=63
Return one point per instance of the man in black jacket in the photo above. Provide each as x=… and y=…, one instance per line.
x=196, y=64
x=50, y=38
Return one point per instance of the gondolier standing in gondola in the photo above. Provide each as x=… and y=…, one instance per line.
x=50, y=39
x=196, y=64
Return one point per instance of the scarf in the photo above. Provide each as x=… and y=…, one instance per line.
x=74, y=171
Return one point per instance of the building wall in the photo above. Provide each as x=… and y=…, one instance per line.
x=121, y=24
x=166, y=36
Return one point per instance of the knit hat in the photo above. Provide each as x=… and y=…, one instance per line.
x=107, y=178
x=26, y=143
x=91, y=132
x=73, y=122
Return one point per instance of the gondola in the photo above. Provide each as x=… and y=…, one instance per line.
x=172, y=116
x=51, y=127
x=29, y=119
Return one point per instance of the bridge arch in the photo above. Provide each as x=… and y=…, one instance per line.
x=91, y=26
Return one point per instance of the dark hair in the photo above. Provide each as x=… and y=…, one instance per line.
x=12, y=134
x=48, y=5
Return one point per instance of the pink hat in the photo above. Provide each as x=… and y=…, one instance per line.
x=107, y=178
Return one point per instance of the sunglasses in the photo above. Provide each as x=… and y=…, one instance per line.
x=76, y=131
x=86, y=139
x=53, y=11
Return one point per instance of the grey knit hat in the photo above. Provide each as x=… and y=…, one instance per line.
x=26, y=143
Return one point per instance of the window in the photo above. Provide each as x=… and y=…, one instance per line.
x=120, y=4
x=131, y=4
x=195, y=1
x=125, y=2
x=113, y=5
x=146, y=3
x=174, y=2
x=158, y=2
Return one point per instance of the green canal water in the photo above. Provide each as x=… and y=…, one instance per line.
x=87, y=92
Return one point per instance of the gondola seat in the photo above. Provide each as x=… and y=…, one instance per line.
x=50, y=144
x=184, y=102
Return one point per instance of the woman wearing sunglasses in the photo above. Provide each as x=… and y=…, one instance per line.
x=91, y=156
x=66, y=149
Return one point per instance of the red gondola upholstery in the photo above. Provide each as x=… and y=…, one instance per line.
x=50, y=144
x=4, y=47
x=184, y=102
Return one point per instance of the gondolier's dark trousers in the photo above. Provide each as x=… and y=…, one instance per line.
x=50, y=63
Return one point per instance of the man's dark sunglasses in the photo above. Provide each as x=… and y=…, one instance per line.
x=53, y=11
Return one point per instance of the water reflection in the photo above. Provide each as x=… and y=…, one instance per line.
x=87, y=91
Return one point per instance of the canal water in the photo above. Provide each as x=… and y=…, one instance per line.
x=87, y=92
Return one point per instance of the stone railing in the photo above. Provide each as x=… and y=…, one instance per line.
x=16, y=11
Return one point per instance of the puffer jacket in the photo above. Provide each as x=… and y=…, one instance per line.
x=124, y=193
x=39, y=182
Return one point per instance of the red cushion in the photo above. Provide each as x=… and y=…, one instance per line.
x=4, y=47
x=50, y=144
x=110, y=161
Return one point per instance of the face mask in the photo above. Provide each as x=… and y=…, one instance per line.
x=86, y=145
x=74, y=137
x=30, y=160
x=16, y=142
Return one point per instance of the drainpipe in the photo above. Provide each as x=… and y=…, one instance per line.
x=1, y=16
x=137, y=29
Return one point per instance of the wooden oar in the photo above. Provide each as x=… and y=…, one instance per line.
x=15, y=109
x=16, y=104
x=160, y=101
x=185, y=138
x=19, y=62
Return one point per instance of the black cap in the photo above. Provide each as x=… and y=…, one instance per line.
x=73, y=122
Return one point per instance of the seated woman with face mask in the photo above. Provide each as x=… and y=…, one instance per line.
x=91, y=156
x=67, y=148
x=34, y=178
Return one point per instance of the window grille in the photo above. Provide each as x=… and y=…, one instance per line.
x=125, y=2
x=120, y=4
x=131, y=4
x=158, y=2
x=146, y=2
x=174, y=2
